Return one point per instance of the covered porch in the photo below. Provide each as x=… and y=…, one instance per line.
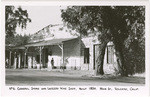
x=39, y=55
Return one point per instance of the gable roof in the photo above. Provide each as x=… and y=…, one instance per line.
x=53, y=31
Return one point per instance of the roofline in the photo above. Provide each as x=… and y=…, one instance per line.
x=51, y=44
x=30, y=44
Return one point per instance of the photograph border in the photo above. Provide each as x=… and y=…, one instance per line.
x=143, y=90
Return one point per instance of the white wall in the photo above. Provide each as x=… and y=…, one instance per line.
x=88, y=42
x=71, y=54
x=110, y=68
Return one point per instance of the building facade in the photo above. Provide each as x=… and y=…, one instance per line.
x=56, y=47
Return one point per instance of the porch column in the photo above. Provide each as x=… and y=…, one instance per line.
x=62, y=54
x=29, y=62
x=19, y=60
x=15, y=61
x=19, y=65
x=10, y=59
x=41, y=56
x=25, y=55
x=61, y=46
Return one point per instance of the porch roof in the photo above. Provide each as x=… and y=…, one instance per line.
x=49, y=42
x=19, y=47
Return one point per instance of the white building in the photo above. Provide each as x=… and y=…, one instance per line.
x=67, y=48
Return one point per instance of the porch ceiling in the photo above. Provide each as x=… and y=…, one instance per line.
x=49, y=42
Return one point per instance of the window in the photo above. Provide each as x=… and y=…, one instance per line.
x=86, y=55
x=110, y=54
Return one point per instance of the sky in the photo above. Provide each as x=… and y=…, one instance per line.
x=41, y=16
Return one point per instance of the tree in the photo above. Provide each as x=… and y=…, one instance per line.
x=13, y=18
x=113, y=23
x=18, y=40
x=134, y=51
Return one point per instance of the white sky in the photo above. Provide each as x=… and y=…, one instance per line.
x=41, y=16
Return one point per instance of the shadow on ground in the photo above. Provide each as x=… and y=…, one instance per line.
x=77, y=78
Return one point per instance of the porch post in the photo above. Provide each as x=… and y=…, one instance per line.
x=10, y=59
x=62, y=52
x=25, y=60
x=15, y=61
x=19, y=61
x=25, y=55
x=40, y=56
